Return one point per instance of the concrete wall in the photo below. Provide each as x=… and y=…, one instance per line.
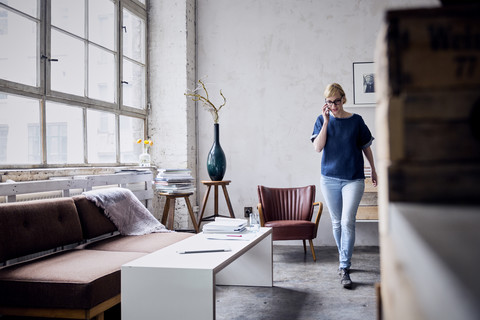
x=273, y=59
x=172, y=121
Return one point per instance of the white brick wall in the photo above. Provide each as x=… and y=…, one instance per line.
x=172, y=70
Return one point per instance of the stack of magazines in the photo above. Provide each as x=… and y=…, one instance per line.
x=225, y=225
x=174, y=181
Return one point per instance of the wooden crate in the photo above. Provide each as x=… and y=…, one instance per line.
x=428, y=92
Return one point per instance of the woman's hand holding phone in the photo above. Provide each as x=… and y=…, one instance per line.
x=326, y=112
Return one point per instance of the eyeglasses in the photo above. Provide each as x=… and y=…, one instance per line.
x=335, y=102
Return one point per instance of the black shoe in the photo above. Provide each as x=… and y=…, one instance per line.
x=346, y=281
x=340, y=271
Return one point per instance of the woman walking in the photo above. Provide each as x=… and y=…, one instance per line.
x=342, y=136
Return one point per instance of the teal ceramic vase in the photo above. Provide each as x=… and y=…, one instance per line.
x=216, y=161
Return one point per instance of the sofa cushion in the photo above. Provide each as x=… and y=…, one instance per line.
x=93, y=220
x=76, y=279
x=33, y=226
x=146, y=243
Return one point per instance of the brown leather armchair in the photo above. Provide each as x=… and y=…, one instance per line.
x=289, y=211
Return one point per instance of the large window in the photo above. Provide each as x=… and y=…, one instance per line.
x=72, y=82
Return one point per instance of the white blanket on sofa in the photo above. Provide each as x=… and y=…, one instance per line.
x=125, y=211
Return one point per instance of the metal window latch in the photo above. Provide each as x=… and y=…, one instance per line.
x=124, y=82
x=45, y=57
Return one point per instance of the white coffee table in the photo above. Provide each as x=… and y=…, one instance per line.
x=169, y=285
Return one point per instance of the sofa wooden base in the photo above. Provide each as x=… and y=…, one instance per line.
x=96, y=313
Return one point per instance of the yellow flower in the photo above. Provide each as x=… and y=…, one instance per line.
x=146, y=143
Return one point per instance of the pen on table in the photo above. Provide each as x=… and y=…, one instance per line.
x=234, y=235
x=203, y=251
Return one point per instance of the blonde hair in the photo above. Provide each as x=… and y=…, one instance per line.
x=334, y=88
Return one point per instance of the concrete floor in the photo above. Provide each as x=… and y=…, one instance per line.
x=302, y=289
x=306, y=290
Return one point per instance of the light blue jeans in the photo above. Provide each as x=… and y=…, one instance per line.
x=342, y=198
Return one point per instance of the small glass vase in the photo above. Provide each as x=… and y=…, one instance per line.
x=144, y=160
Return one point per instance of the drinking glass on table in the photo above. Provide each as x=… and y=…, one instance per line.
x=254, y=221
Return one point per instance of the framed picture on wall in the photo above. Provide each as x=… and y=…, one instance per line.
x=363, y=83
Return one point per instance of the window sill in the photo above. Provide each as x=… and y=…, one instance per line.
x=33, y=174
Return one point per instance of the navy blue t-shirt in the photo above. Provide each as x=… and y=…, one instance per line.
x=342, y=155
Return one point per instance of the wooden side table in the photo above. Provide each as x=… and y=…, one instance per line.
x=215, y=184
x=166, y=210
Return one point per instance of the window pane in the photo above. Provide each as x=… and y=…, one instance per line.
x=29, y=7
x=69, y=15
x=101, y=23
x=64, y=133
x=101, y=137
x=133, y=36
x=68, y=73
x=18, y=59
x=134, y=90
x=101, y=74
x=131, y=129
x=20, y=141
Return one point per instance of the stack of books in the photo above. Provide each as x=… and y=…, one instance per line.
x=174, y=181
x=225, y=225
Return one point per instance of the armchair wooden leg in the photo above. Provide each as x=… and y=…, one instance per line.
x=311, y=248
x=304, y=247
x=100, y=316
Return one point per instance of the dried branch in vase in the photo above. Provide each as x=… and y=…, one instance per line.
x=206, y=100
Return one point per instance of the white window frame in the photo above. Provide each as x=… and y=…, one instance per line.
x=43, y=92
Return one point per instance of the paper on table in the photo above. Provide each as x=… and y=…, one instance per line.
x=225, y=225
x=244, y=236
